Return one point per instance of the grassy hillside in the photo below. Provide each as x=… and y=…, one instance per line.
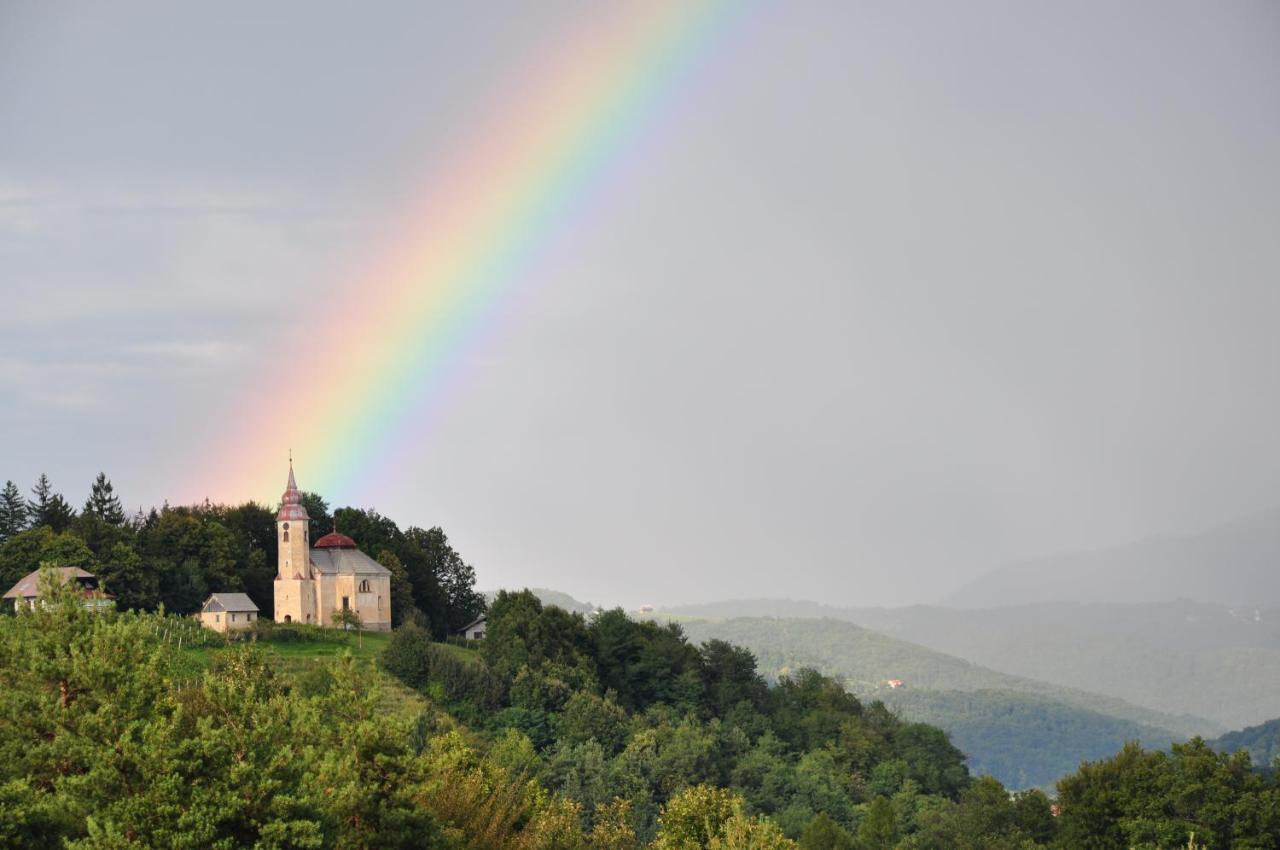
x=305, y=659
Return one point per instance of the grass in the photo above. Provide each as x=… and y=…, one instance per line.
x=295, y=659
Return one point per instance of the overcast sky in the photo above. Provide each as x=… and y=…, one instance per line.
x=900, y=292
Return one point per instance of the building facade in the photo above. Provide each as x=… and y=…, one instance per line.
x=314, y=581
x=228, y=612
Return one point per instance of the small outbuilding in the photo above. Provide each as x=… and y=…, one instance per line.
x=228, y=612
x=475, y=629
x=27, y=590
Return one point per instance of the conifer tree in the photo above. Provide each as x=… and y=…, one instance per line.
x=49, y=508
x=103, y=502
x=13, y=511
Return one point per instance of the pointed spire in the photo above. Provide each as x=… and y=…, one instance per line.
x=291, y=501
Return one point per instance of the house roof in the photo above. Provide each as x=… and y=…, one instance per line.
x=477, y=621
x=28, y=587
x=344, y=561
x=236, y=602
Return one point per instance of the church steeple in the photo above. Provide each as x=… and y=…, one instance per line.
x=293, y=532
x=291, y=501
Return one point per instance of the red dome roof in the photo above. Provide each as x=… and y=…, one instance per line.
x=334, y=540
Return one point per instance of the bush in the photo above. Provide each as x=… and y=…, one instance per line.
x=414, y=659
x=296, y=633
x=408, y=656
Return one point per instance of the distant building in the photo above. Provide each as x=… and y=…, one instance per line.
x=645, y=609
x=27, y=590
x=312, y=583
x=895, y=683
x=228, y=612
x=475, y=630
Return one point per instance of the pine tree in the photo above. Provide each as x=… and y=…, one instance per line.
x=103, y=502
x=39, y=506
x=13, y=511
x=49, y=508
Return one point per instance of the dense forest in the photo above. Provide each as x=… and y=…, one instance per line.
x=138, y=729
x=176, y=556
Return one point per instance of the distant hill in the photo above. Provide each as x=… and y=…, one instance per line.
x=1202, y=659
x=1262, y=742
x=1180, y=657
x=553, y=597
x=1023, y=740
x=1024, y=732
x=865, y=660
x=1234, y=564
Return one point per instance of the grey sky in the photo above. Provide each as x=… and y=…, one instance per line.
x=898, y=293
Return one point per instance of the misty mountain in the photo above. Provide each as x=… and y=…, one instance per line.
x=1235, y=564
x=1182, y=657
x=1024, y=732
x=1262, y=742
x=557, y=598
x=1202, y=659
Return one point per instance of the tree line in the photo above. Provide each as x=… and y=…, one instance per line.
x=175, y=556
x=608, y=708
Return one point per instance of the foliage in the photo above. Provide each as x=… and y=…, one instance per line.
x=1152, y=799
x=13, y=511
x=48, y=508
x=620, y=709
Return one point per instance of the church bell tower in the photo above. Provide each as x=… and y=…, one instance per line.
x=293, y=528
x=295, y=586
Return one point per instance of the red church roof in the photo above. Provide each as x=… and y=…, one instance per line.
x=334, y=540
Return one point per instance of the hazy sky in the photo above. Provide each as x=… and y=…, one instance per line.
x=899, y=292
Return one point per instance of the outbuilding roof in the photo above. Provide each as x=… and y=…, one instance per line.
x=28, y=587
x=230, y=602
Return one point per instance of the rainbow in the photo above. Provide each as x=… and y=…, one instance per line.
x=514, y=185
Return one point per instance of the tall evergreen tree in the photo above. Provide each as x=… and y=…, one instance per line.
x=13, y=511
x=49, y=508
x=103, y=503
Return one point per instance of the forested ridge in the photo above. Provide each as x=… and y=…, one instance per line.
x=138, y=729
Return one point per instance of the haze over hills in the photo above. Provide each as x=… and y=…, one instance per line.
x=1024, y=732
x=1233, y=564
x=865, y=660
x=1207, y=660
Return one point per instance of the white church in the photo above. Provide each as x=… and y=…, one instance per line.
x=312, y=582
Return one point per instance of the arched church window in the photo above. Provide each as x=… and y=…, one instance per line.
x=364, y=586
x=286, y=532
